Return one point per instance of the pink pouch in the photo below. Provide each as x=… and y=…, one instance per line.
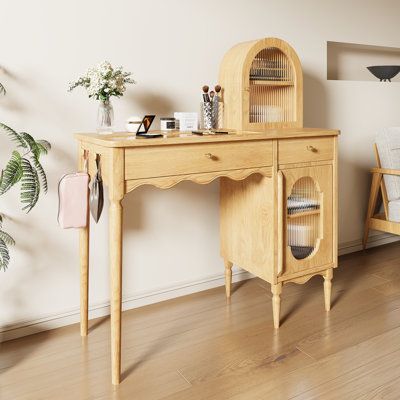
x=73, y=200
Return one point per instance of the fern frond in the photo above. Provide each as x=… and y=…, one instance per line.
x=41, y=173
x=2, y=89
x=32, y=145
x=12, y=172
x=30, y=186
x=6, y=238
x=44, y=146
x=4, y=255
x=27, y=169
x=15, y=137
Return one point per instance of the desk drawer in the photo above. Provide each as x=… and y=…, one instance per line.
x=184, y=159
x=305, y=150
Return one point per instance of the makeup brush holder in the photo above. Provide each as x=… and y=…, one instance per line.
x=215, y=112
x=220, y=116
x=206, y=112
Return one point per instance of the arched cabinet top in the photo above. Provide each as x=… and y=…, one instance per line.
x=262, y=84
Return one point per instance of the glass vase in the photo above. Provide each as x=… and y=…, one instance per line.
x=105, y=117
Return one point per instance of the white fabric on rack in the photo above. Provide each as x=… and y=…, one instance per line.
x=394, y=210
x=388, y=144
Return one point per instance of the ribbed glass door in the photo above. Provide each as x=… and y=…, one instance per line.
x=308, y=217
x=272, y=92
x=303, y=218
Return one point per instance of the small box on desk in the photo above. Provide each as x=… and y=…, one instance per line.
x=186, y=121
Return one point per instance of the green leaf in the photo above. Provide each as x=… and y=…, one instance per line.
x=15, y=137
x=4, y=255
x=32, y=145
x=2, y=89
x=30, y=186
x=26, y=169
x=41, y=173
x=12, y=173
x=44, y=146
x=6, y=238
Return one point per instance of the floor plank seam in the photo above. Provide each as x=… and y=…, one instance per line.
x=353, y=345
x=383, y=292
x=377, y=290
x=368, y=310
x=319, y=385
x=380, y=277
x=183, y=376
x=377, y=389
x=348, y=371
x=304, y=352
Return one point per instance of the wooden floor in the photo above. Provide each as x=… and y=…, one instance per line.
x=201, y=347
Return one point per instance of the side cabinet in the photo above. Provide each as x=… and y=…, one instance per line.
x=283, y=228
x=307, y=220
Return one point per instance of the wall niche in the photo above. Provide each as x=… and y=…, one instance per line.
x=349, y=61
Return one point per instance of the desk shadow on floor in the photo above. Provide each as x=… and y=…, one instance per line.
x=97, y=323
x=336, y=298
x=168, y=338
x=237, y=285
x=16, y=350
x=306, y=297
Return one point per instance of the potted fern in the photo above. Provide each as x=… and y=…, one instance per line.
x=23, y=168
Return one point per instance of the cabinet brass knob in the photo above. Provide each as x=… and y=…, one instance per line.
x=209, y=155
x=312, y=148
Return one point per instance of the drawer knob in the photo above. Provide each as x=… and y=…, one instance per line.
x=312, y=148
x=209, y=155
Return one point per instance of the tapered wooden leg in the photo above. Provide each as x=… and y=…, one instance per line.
x=373, y=197
x=366, y=233
x=228, y=278
x=276, y=303
x=115, y=245
x=328, y=288
x=84, y=272
x=84, y=239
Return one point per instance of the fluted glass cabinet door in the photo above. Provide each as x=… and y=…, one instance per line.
x=307, y=218
x=272, y=92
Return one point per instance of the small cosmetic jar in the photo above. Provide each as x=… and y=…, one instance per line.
x=167, y=124
x=132, y=124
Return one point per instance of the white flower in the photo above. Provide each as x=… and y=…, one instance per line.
x=103, y=81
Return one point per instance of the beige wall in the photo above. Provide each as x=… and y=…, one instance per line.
x=173, y=47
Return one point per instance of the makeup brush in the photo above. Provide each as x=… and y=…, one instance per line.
x=206, y=97
x=220, y=107
x=218, y=92
x=212, y=94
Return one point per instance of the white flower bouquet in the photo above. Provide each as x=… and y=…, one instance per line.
x=103, y=81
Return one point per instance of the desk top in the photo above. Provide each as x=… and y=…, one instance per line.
x=126, y=139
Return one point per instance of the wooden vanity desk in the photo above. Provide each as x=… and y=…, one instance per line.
x=278, y=180
x=257, y=172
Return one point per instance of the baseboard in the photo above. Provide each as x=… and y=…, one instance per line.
x=378, y=239
x=25, y=328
